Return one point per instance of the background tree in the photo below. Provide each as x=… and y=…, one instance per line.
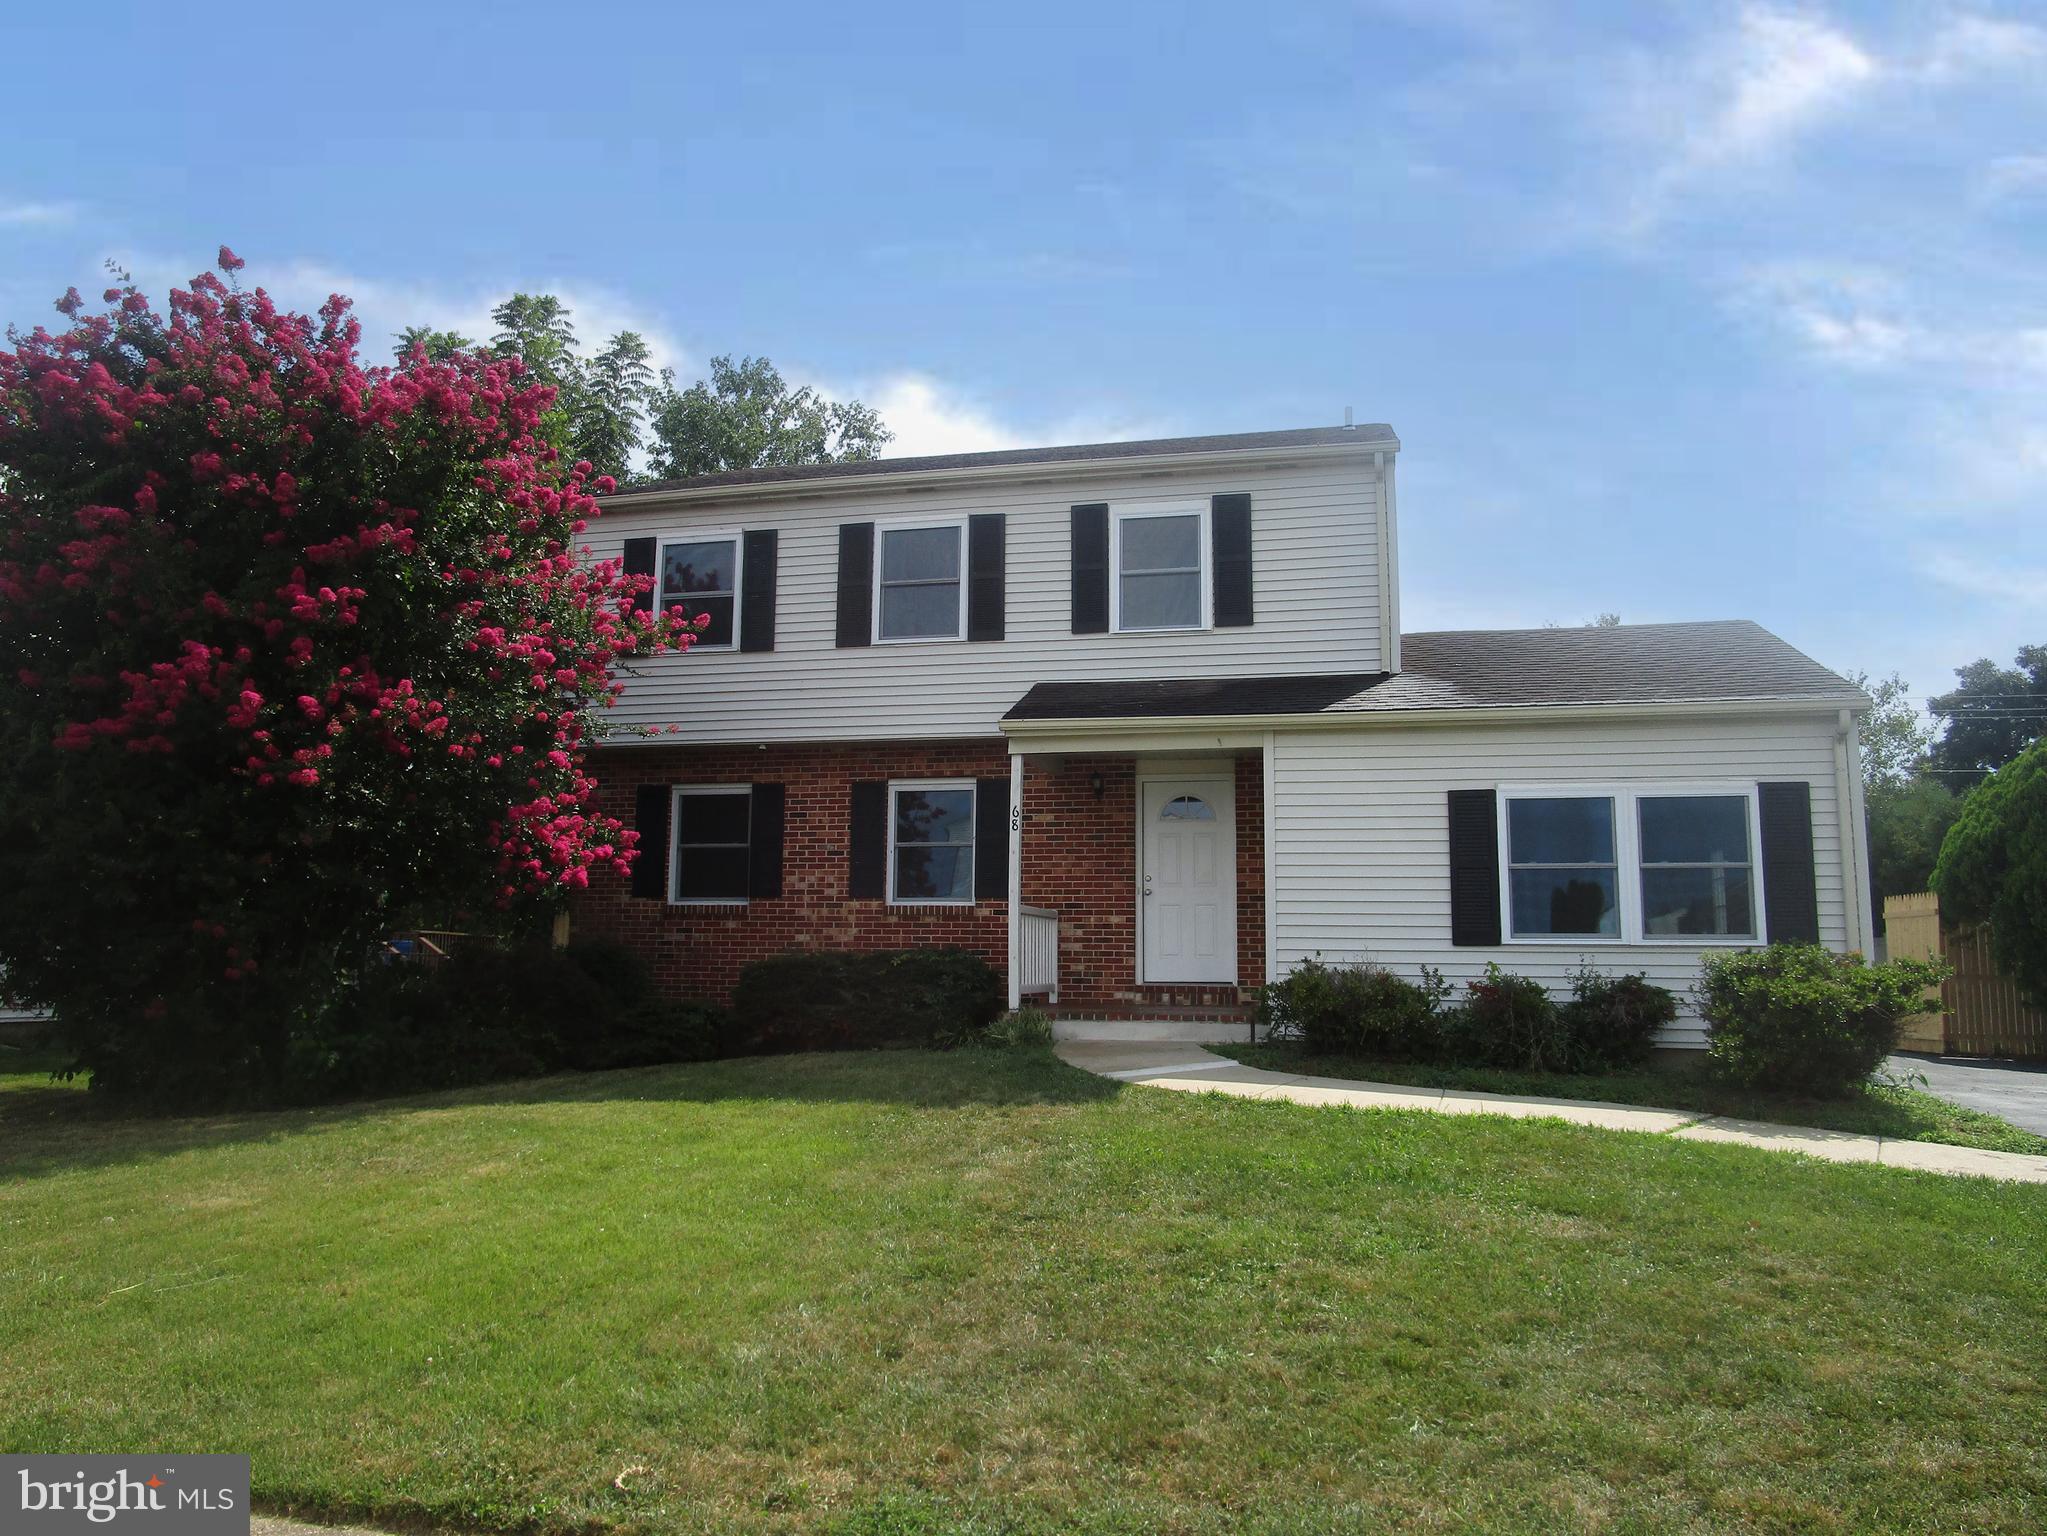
x=618, y=383
x=1909, y=812
x=746, y=416
x=291, y=652
x=439, y=346
x=1992, y=716
x=1993, y=867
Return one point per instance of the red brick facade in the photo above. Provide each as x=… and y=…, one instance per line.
x=1079, y=859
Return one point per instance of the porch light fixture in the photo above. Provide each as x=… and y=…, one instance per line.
x=1095, y=783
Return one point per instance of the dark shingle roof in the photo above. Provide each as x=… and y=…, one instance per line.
x=1627, y=664
x=1190, y=696
x=1371, y=435
x=1729, y=659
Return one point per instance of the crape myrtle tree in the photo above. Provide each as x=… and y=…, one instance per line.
x=292, y=651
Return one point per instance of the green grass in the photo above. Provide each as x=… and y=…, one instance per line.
x=895, y=1293
x=1893, y=1109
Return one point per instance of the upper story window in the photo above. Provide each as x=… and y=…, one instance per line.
x=918, y=593
x=1632, y=864
x=1159, y=578
x=700, y=575
x=713, y=834
x=931, y=841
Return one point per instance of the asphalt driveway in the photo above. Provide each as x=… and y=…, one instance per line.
x=2014, y=1090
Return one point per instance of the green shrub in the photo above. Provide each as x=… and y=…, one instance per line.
x=830, y=1000
x=648, y=1033
x=1022, y=1029
x=1802, y=1017
x=1612, y=1021
x=1508, y=1021
x=1362, y=1009
x=489, y=1013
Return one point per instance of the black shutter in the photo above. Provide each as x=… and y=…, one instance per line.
x=757, y=591
x=856, y=583
x=991, y=839
x=1474, y=867
x=985, y=596
x=1790, y=903
x=650, y=819
x=639, y=561
x=1229, y=532
x=1091, y=569
x=764, y=843
x=867, y=843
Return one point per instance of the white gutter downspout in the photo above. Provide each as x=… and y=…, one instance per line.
x=1016, y=778
x=1854, y=835
x=1389, y=561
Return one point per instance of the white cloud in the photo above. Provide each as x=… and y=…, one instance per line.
x=37, y=215
x=1968, y=46
x=2011, y=177
x=2021, y=586
x=1782, y=72
x=928, y=415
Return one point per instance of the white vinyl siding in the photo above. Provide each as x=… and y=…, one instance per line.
x=1316, y=565
x=1360, y=834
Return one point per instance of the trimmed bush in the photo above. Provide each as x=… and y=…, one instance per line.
x=1508, y=1021
x=1802, y=1017
x=830, y=1000
x=487, y=1014
x=1612, y=1021
x=1363, y=1009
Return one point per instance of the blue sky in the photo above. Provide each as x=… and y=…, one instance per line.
x=1681, y=311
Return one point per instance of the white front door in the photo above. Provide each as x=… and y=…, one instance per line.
x=1187, y=877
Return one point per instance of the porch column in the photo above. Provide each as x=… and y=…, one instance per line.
x=1016, y=779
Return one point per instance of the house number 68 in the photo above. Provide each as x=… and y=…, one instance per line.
x=1015, y=817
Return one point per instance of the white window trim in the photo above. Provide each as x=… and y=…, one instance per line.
x=1123, y=512
x=882, y=529
x=737, y=539
x=1627, y=850
x=974, y=818
x=675, y=841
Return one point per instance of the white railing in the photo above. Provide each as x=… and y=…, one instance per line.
x=1040, y=946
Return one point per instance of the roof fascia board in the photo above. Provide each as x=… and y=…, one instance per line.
x=1499, y=714
x=1048, y=470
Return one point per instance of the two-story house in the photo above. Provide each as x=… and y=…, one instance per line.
x=1137, y=722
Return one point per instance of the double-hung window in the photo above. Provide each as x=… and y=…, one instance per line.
x=700, y=575
x=713, y=837
x=1630, y=863
x=1698, y=866
x=1563, y=868
x=931, y=841
x=1160, y=568
x=918, y=590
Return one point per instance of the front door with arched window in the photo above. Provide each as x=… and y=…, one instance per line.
x=1187, y=879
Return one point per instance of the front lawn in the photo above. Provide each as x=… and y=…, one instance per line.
x=1896, y=1110
x=982, y=1291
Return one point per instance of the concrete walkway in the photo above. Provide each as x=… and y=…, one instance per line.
x=2010, y=1090
x=1190, y=1069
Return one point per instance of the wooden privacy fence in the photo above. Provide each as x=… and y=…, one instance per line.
x=1984, y=1013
